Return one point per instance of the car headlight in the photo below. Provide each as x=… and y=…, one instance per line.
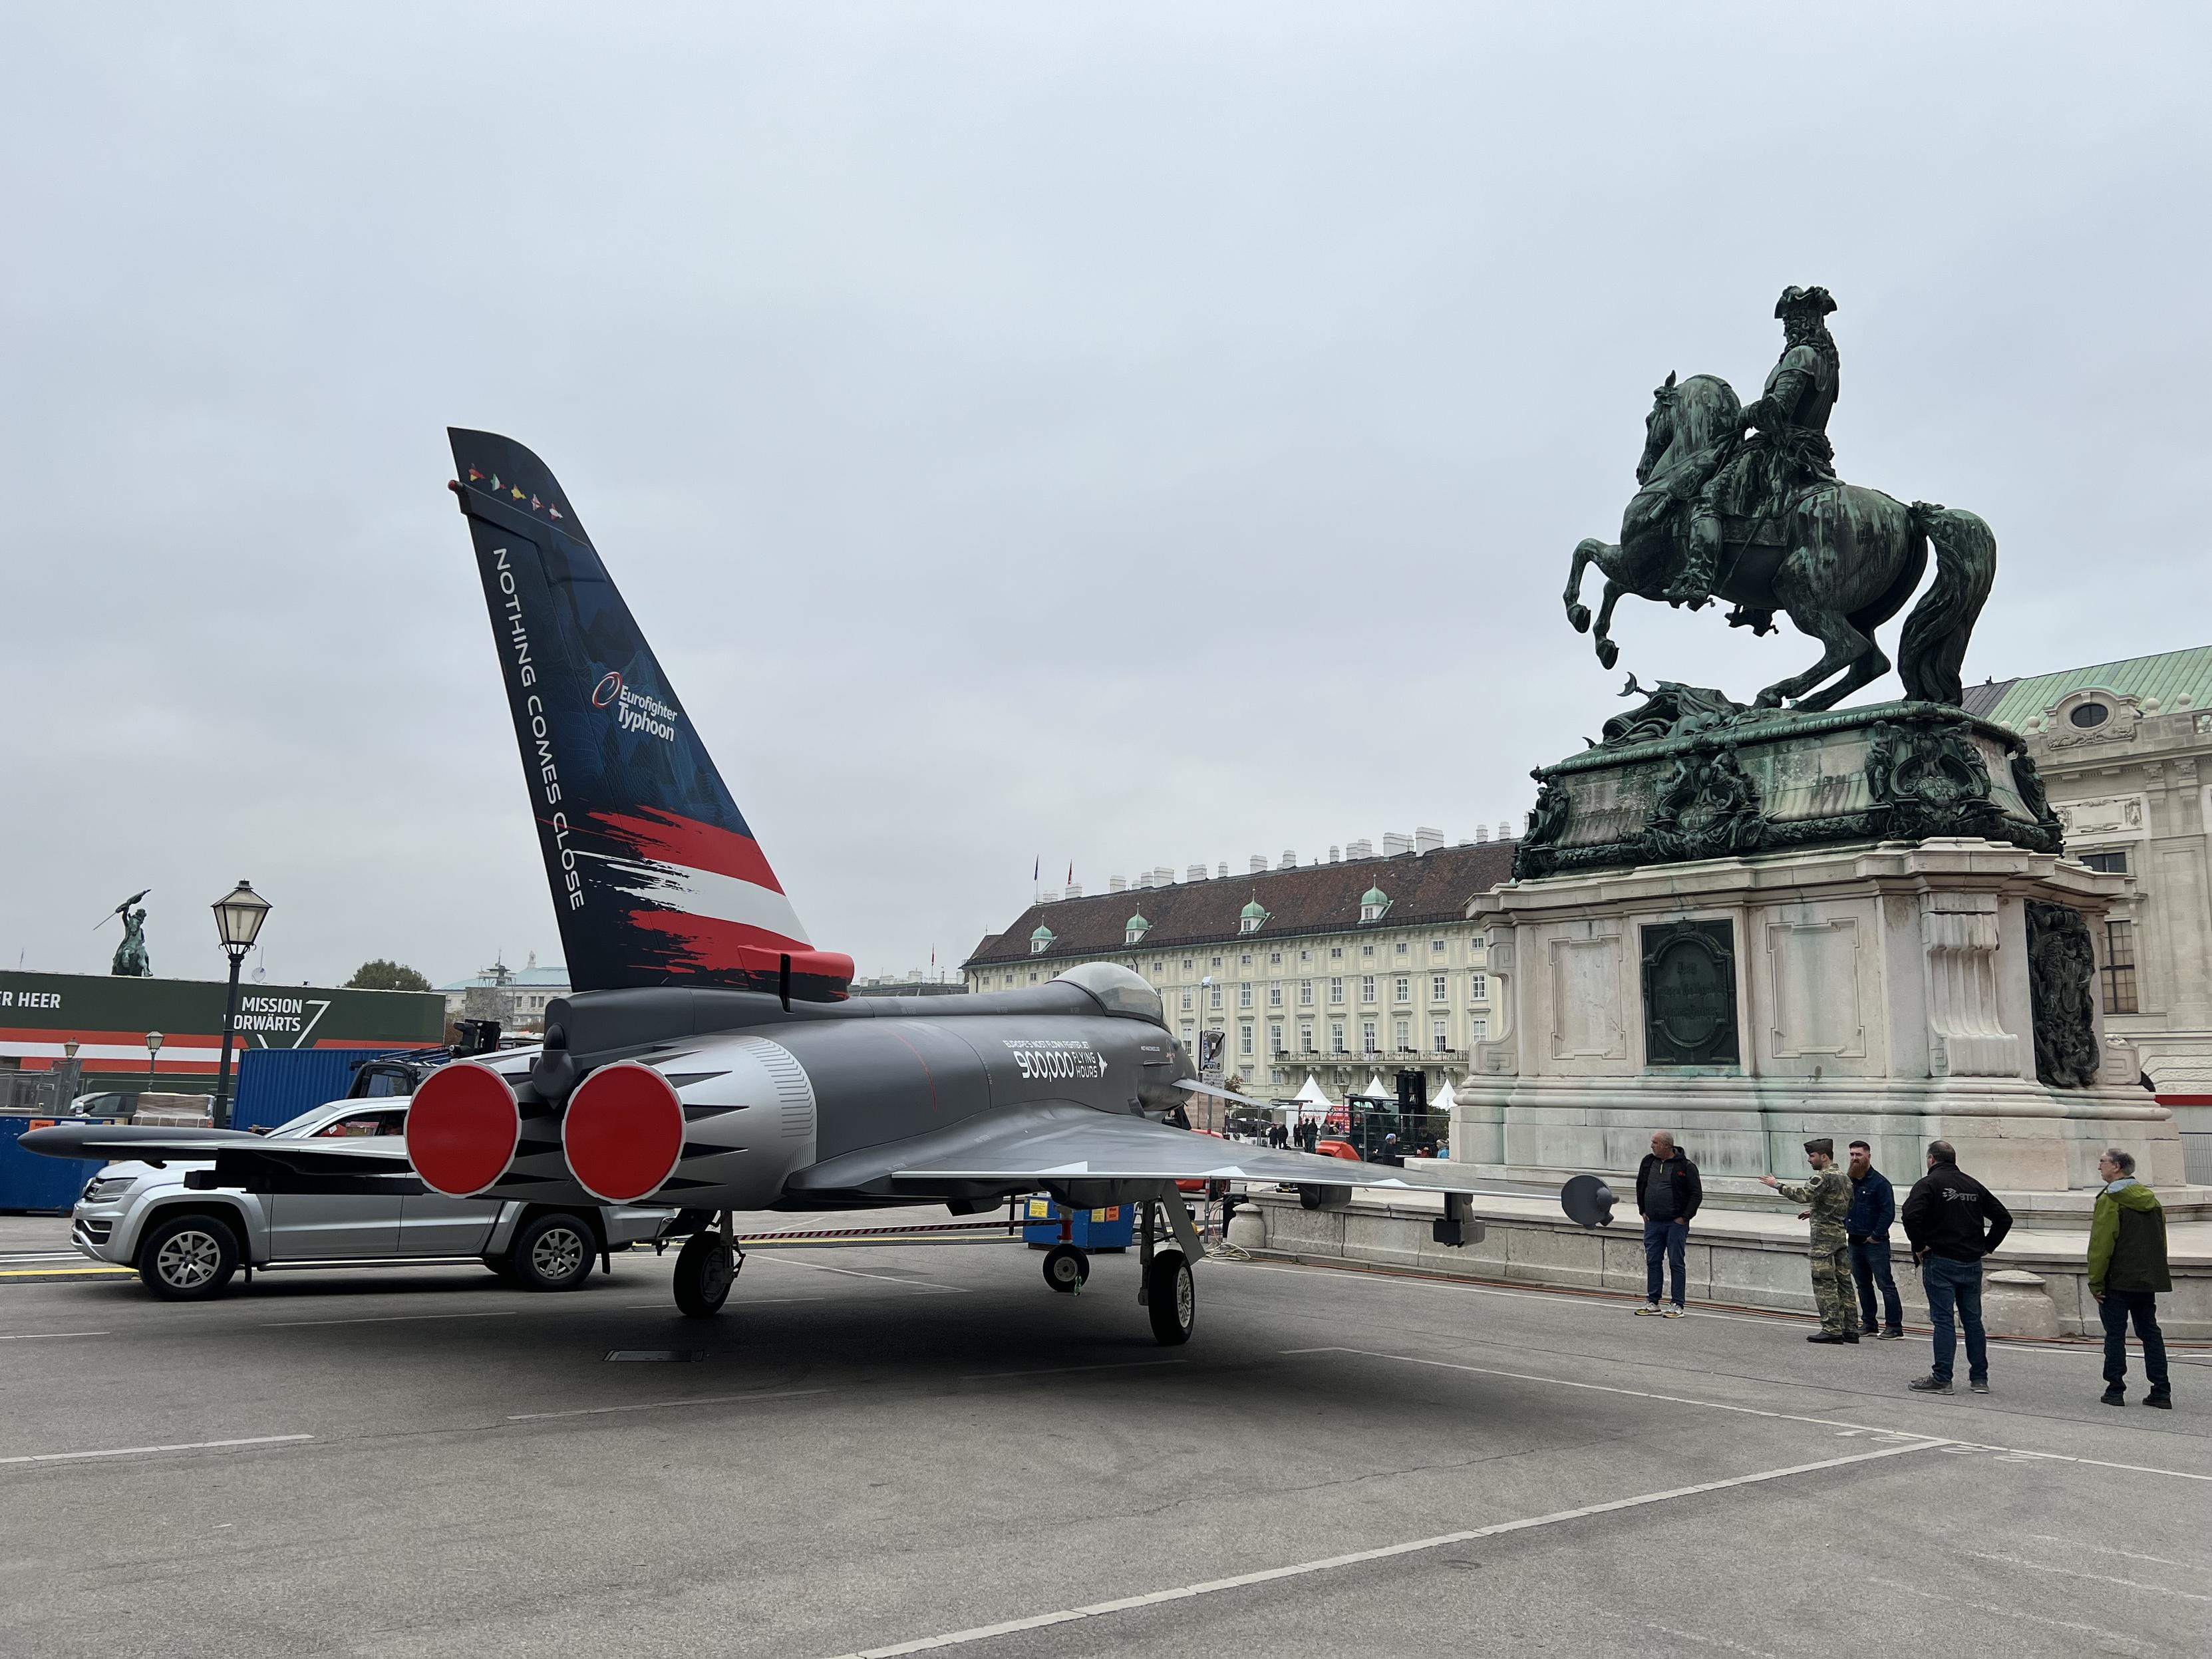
x=105, y=1189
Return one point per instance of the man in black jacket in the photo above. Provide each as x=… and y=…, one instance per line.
x=1953, y=1222
x=1667, y=1194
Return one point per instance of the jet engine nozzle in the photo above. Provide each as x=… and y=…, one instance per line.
x=624, y=1131
x=463, y=1128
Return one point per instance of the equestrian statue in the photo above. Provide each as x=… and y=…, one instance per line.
x=1742, y=503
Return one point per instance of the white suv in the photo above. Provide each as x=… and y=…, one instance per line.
x=187, y=1237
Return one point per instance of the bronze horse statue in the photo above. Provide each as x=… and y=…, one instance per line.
x=1840, y=559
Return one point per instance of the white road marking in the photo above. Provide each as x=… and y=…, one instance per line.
x=852, y=1272
x=1357, y=1558
x=2094, y=1577
x=1968, y=1446
x=145, y=1451
x=49, y=1336
x=2125, y=1643
x=2106, y=1549
x=661, y=1405
x=385, y=1319
x=1062, y=1370
x=1687, y=1635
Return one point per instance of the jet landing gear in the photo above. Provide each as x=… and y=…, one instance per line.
x=1065, y=1268
x=1163, y=1281
x=706, y=1267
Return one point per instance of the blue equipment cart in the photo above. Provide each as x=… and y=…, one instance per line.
x=1110, y=1229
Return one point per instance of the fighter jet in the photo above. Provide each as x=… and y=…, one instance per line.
x=710, y=1058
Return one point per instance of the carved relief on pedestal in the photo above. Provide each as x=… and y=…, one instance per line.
x=1965, y=1037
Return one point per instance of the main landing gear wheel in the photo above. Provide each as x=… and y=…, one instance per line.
x=1170, y=1298
x=705, y=1270
x=1065, y=1268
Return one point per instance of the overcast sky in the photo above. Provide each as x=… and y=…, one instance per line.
x=1117, y=434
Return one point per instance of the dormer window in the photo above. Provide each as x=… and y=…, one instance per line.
x=1134, y=929
x=1372, y=904
x=1252, y=918
x=1041, y=941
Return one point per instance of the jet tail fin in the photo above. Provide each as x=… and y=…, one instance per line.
x=656, y=877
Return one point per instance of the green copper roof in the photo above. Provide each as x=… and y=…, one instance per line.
x=1043, y=932
x=1137, y=920
x=1254, y=909
x=2168, y=676
x=1374, y=896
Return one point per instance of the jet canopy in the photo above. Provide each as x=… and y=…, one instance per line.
x=1119, y=990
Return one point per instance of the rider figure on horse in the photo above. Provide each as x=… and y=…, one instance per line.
x=1745, y=499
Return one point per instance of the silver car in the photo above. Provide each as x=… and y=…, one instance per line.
x=187, y=1237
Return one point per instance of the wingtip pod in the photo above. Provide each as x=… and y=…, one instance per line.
x=463, y=1128
x=1587, y=1201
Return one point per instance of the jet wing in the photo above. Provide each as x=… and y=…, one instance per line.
x=1066, y=1140
x=369, y=1155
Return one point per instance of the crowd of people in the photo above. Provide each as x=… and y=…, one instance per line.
x=1952, y=1222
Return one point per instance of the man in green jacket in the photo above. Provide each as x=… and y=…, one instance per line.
x=2127, y=1270
x=1827, y=1197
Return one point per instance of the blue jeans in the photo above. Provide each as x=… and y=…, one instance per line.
x=1871, y=1268
x=1664, y=1240
x=1955, y=1284
x=2113, y=1308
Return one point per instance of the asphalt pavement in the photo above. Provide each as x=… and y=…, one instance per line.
x=913, y=1446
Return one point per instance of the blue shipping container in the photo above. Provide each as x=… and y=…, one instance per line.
x=1110, y=1229
x=28, y=1182
x=274, y=1086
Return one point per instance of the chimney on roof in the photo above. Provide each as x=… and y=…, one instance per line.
x=1145, y=879
x=1427, y=840
x=1051, y=895
x=1290, y=860
x=1075, y=889
x=1221, y=871
x=1196, y=873
x=1395, y=842
x=1334, y=856
x=1359, y=850
x=1116, y=885
x=1481, y=834
x=1259, y=863
x=1163, y=876
x=1505, y=829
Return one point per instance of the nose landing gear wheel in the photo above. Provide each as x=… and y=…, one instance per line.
x=1170, y=1298
x=704, y=1272
x=1065, y=1268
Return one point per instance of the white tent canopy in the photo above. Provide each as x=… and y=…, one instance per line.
x=1375, y=1090
x=1313, y=1093
x=1443, y=1100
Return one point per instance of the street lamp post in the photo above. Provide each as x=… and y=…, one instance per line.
x=238, y=918
x=153, y=1060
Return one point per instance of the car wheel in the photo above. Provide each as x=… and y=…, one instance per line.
x=188, y=1258
x=554, y=1252
x=704, y=1273
x=1066, y=1268
x=1170, y=1298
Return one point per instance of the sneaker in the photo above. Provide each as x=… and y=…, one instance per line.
x=2159, y=1398
x=1978, y=1384
x=1887, y=1336
x=1674, y=1313
x=2113, y=1396
x=1649, y=1310
x=1869, y=1330
x=1930, y=1385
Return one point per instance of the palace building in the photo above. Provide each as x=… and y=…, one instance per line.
x=1348, y=969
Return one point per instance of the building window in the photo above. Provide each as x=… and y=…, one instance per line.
x=1336, y=1037
x=1214, y=962
x=1305, y=956
x=1249, y=925
x=1477, y=1030
x=1405, y=990
x=1275, y=996
x=2119, y=970
x=1305, y=1036
x=1134, y=935
x=1405, y=1034
x=1189, y=1034
x=1367, y=988
x=1439, y=1037
x=1435, y=947
x=1244, y=1038
x=1478, y=987
x=2112, y=864
x=1366, y=950
x=1305, y=994
x=1188, y=962
x=1186, y=998
x=1367, y=1036
x=1336, y=953
x=1244, y=961
x=1244, y=995
x=1335, y=991
x=1274, y=1036
x=1436, y=987
x=1274, y=958
x=1401, y=947
x=1215, y=1002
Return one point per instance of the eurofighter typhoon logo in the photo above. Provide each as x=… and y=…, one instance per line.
x=634, y=710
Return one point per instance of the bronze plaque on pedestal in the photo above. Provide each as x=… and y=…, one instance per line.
x=1689, y=993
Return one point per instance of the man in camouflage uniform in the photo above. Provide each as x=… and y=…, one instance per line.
x=1827, y=1198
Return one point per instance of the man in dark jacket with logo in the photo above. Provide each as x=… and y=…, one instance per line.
x=1953, y=1222
x=2127, y=1270
x=1873, y=1208
x=1667, y=1194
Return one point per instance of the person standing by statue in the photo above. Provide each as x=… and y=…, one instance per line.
x=1790, y=451
x=1828, y=1201
x=2127, y=1271
x=1953, y=1222
x=1873, y=1208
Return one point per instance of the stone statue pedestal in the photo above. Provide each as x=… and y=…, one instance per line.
x=1878, y=991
